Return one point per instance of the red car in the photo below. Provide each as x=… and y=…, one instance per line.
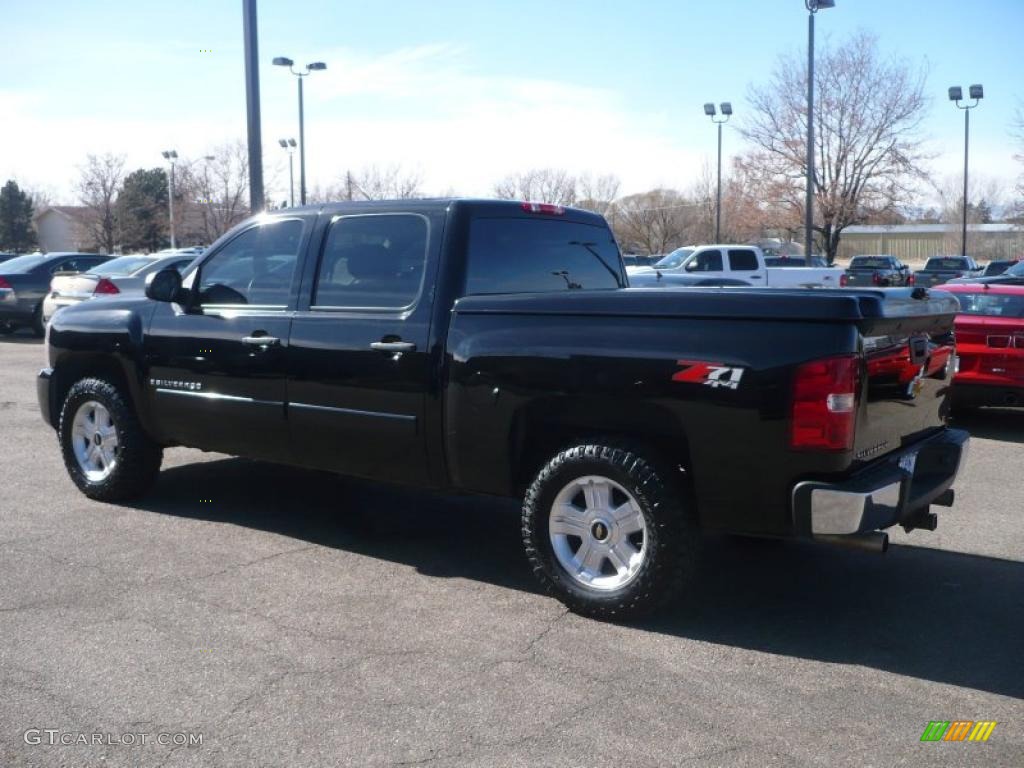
x=990, y=344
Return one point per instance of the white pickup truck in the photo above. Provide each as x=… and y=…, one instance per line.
x=710, y=265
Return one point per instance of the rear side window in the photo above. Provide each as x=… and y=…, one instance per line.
x=742, y=260
x=540, y=256
x=372, y=261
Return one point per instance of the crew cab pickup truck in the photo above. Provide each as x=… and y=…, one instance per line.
x=939, y=269
x=721, y=265
x=495, y=348
x=878, y=272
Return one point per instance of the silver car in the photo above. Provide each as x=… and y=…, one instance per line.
x=125, y=275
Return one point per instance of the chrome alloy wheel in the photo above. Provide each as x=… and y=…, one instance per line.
x=94, y=440
x=598, y=532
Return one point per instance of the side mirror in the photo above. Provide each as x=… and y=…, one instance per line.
x=165, y=285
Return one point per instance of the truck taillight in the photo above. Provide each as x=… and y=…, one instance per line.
x=911, y=279
x=844, y=280
x=876, y=278
x=824, y=413
x=105, y=287
x=4, y=284
x=546, y=208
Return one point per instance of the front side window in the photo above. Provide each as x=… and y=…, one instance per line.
x=742, y=260
x=705, y=261
x=254, y=269
x=372, y=262
x=540, y=256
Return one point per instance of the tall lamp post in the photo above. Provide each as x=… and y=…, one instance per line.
x=956, y=94
x=170, y=156
x=709, y=110
x=316, y=66
x=289, y=146
x=813, y=6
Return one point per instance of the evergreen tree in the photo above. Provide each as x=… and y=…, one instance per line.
x=142, y=210
x=16, y=233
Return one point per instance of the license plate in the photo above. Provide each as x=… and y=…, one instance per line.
x=908, y=461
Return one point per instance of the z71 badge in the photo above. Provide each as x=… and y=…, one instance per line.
x=713, y=375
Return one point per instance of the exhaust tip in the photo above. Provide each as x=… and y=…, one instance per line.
x=872, y=541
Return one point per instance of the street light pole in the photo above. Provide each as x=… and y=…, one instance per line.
x=956, y=94
x=709, y=110
x=289, y=146
x=170, y=156
x=813, y=6
x=316, y=66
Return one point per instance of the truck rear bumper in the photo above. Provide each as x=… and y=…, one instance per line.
x=896, y=489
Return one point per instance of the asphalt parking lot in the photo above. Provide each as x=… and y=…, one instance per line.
x=294, y=618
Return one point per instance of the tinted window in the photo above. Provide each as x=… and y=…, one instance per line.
x=540, y=255
x=373, y=261
x=742, y=260
x=870, y=262
x=255, y=268
x=705, y=261
x=994, y=304
x=947, y=264
x=997, y=268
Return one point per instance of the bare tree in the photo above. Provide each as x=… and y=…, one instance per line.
x=654, y=222
x=213, y=192
x=541, y=185
x=597, y=193
x=374, y=182
x=867, y=122
x=98, y=185
x=1017, y=132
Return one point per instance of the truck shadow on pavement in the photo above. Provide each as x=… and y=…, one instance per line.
x=936, y=615
x=1006, y=424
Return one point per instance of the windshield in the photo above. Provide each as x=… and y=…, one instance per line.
x=21, y=264
x=126, y=265
x=992, y=304
x=674, y=259
x=1017, y=270
x=951, y=263
x=869, y=262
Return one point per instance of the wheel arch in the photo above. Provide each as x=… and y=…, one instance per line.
x=541, y=429
x=71, y=368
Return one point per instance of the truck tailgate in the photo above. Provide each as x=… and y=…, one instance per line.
x=908, y=368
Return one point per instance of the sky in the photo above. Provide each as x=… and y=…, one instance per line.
x=464, y=92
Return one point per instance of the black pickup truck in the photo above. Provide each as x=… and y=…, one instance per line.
x=495, y=348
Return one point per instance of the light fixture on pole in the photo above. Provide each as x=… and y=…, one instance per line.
x=956, y=94
x=709, y=110
x=813, y=6
x=170, y=156
x=289, y=146
x=316, y=66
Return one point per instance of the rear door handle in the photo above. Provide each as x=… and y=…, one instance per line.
x=393, y=346
x=261, y=341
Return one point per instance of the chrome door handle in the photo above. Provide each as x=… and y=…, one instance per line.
x=393, y=346
x=261, y=341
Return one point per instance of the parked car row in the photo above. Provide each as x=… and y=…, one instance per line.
x=887, y=271
x=34, y=286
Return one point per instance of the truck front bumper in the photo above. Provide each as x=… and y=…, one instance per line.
x=896, y=489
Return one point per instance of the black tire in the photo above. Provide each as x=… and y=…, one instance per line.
x=672, y=539
x=138, y=457
x=38, y=326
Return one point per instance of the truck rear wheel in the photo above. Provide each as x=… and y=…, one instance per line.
x=106, y=452
x=608, y=532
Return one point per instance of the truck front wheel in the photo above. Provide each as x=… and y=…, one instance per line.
x=106, y=452
x=608, y=532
